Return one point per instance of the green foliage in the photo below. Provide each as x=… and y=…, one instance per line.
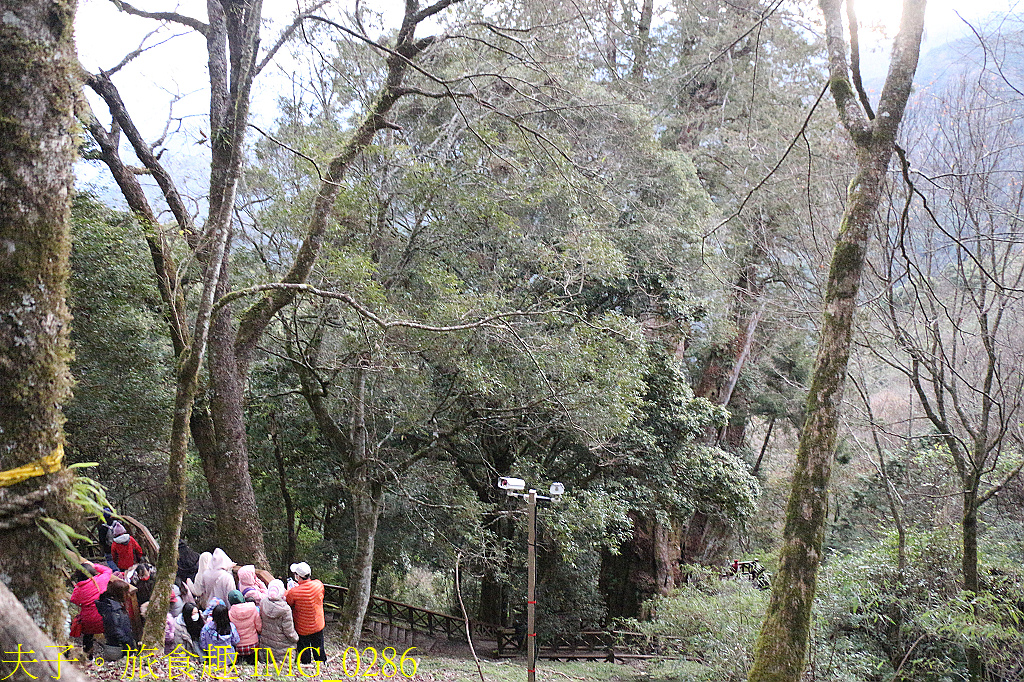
x=89, y=498
x=918, y=623
x=591, y=227
x=662, y=465
x=708, y=620
x=123, y=364
x=417, y=586
x=870, y=624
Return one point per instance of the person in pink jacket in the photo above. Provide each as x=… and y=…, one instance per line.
x=94, y=582
x=245, y=616
x=251, y=587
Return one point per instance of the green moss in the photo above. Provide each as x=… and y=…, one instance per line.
x=34, y=309
x=840, y=88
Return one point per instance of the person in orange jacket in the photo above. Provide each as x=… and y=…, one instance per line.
x=307, y=601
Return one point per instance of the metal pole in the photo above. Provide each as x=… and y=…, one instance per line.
x=531, y=584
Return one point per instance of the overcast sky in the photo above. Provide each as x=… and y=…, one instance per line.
x=176, y=69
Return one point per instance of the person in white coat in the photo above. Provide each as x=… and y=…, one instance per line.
x=218, y=579
x=196, y=586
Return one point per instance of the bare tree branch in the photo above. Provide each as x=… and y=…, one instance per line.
x=288, y=33
x=764, y=179
x=194, y=24
x=106, y=89
x=366, y=313
x=139, y=50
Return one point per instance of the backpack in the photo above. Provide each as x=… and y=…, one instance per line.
x=105, y=533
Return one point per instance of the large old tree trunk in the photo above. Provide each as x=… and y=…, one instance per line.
x=666, y=558
x=36, y=156
x=780, y=654
x=705, y=538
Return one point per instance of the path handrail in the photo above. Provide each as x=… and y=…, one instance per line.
x=415, y=618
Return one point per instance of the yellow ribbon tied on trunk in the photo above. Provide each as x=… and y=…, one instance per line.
x=42, y=466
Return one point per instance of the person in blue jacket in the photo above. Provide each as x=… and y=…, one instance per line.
x=219, y=632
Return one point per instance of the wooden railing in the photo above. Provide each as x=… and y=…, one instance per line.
x=753, y=570
x=413, y=618
x=613, y=646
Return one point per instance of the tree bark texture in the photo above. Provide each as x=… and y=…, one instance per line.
x=367, y=504
x=226, y=457
x=36, y=155
x=18, y=628
x=666, y=558
x=781, y=649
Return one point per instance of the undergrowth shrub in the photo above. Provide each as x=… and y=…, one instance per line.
x=711, y=623
x=871, y=623
x=915, y=626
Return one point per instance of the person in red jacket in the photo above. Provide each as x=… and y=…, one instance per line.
x=93, y=583
x=307, y=601
x=125, y=549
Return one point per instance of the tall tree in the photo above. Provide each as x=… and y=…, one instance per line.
x=232, y=36
x=781, y=650
x=36, y=181
x=952, y=297
x=725, y=79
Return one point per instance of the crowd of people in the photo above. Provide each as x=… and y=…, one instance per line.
x=213, y=606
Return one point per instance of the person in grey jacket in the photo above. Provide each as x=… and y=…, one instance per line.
x=278, y=632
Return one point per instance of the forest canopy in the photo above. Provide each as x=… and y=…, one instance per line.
x=689, y=259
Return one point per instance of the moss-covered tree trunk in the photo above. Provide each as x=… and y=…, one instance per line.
x=36, y=180
x=781, y=650
x=972, y=583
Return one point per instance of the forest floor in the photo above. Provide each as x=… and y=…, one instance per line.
x=442, y=661
x=429, y=668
